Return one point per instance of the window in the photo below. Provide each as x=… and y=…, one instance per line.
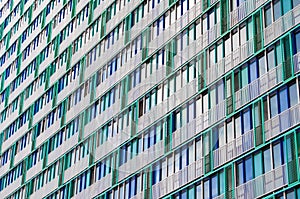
x=268, y=16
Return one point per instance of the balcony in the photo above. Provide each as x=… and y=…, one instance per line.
x=16, y=136
x=178, y=179
x=42, y=112
x=21, y=88
x=12, y=186
x=63, y=148
x=121, y=14
x=281, y=25
x=297, y=63
x=36, y=93
x=233, y=149
x=154, y=114
x=48, y=132
x=182, y=94
x=72, y=86
x=33, y=171
x=96, y=188
x=146, y=84
x=21, y=154
x=186, y=54
x=259, y=86
x=243, y=52
x=148, y=18
x=76, y=168
x=244, y=9
x=112, y=143
x=46, y=189
x=282, y=122
x=99, y=9
x=78, y=108
x=4, y=168
x=216, y=70
x=184, y=133
x=141, y=160
x=263, y=184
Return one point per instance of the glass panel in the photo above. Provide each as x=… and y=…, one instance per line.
x=262, y=65
x=267, y=161
x=243, y=33
x=238, y=129
x=240, y=173
x=297, y=38
x=258, y=170
x=230, y=133
x=293, y=97
x=271, y=59
x=248, y=169
x=277, y=10
x=244, y=76
x=283, y=100
x=214, y=186
x=274, y=105
x=247, y=120
x=198, y=192
x=268, y=16
x=277, y=155
x=253, y=71
x=206, y=190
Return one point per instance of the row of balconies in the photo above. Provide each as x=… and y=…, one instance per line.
x=244, y=9
x=282, y=122
x=233, y=149
x=263, y=184
x=192, y=49
x=182, y=177
x=258, y=86
x=141, y=160
x=115, y=20
x=169, y=104
x=281, y=25
x=96, y=188
x=101, y=118
x=146, y=84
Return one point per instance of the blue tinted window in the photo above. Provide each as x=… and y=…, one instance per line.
x=293, y=97
x=283, y=100
x=246, y=121
x=248, y=169
x=267, y=160
x=297, y=38
x=214, y=186
x=240, y=173
x=206, y=190
x=277, y=155
x=274, y=105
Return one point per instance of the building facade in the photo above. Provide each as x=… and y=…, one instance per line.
x=150, y=99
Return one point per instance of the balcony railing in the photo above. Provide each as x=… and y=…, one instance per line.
x=243, y=10
x=282, y=122
x=234, y=148
x=218, y=69
x=282, y=24
x=184, y=133
x=141, y=160
x=178, y=179
x=146, y=84
x=211, y=116
x=258, y=86
x=263, y=184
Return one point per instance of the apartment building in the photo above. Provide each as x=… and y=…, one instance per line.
x=172, y=99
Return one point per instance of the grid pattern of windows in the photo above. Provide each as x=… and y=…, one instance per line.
x=149, y=99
